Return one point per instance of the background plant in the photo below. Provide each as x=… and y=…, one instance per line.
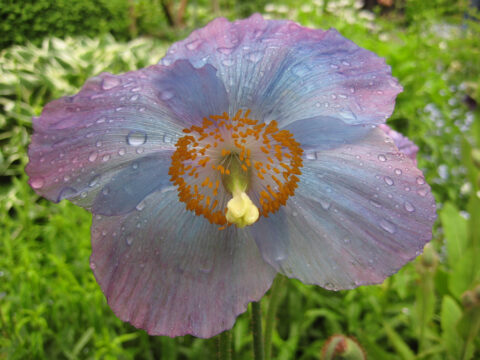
x=50, y=304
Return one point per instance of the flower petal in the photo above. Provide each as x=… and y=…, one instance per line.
x=88, y=145
x=361, y=211
x=172, y=273
x=404, y=144
x=283, y=71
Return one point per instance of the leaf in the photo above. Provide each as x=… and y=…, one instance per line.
x=450, y=315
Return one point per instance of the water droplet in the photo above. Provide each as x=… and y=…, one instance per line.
x=93, y=156
x=129, y=240
x=136, y=138
x=140, y=206
x=101, y=120
x=255, y=56
x=347, y=114
x=37, y=182
x=192, y=45
x=106, y=157
x=352, y=90
x=409, y=207
x=398, y=171
x=135, y=166
x=294, y=213
x=98, y=143
x=346, y=63
x=94, y=181
x=228, y=62
x=388, y=180
x=299, y=69
x=388, y=226
x=333, y=66
x=136, y=89
x=326, y=104
x=334, y=96
x=140, y=150
x=311, y=156
x=407, y=188
x=346, y=241
x=382, y=157
x=93, y=266
x=420, y=180
x=376, y=204
x=110, y=82
x=325, y=204
x=134, y=97
x=317, y=104
x=105, y=191
x=166, y=95
x=121, y=151
x=422, y=192
x=66, y=178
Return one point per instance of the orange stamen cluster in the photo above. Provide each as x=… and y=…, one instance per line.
x=270, y=159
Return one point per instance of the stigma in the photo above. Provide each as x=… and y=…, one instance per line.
x=232, y=170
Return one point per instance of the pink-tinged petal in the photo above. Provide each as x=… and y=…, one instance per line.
x=109, y=146
x=172, y=273
x=404, y=144
x=360, y=212
x=283, y=71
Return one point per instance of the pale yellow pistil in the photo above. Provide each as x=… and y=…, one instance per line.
x=241, y=211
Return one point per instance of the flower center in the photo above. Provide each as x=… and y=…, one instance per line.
x=231, y=170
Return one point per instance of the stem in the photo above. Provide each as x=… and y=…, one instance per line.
x=275, y=296
x=258, y=350
x=224, y=346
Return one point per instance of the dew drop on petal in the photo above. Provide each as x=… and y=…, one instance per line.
x=136, y=138
x=420, y=180
x=382, y=157
x=325, y=204
x=93, y=181
x=376, y=204
x=37, y=183
x=98, y=143
x=228, y=62
x=93, y=266
x=422, y=192
x=388, y=226
x=347, y=114
x=388, y=180
x=93, y=156
x=398, y=171
x=121, y=151
x=166, y=95
x=409, y=207
x=109, y=83
x=129, y=240
x=192, y=45
x=255, y=56
x=106, y=157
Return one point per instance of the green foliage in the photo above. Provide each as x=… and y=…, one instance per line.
x=50, y=304
x=32, y=20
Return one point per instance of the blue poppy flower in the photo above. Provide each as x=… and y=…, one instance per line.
x=251, y=149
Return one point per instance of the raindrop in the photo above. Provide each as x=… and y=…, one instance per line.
x=420, y=180
x=388, y=180
x=136, y=138
x=398, y=171
x=140, y=150
x=109, y=83
x=98, y=143
x=346, y=241
x=409, y=207
x=422, y=192
x=317, y=104
x=66, y=178
x=311, y=156
x=294, y=213
x=334, y=96
x=333, y=66
x=407, y=188
x=228, y=62
x=255, y=56
x=101, y=120
x=105, y=191
x=93, y=266
x=194, y=44
x=352, y=90
x=166, y=95
x=37, y=183
x=129, y=240
x=299, y=70
x=376, y=204
x=121, y=152
x=346, y=63
x=382, y=157
x=140, y=206
x=93, y=156
x=225, y=50
x=325, y=204
x=388, y=226
x=134, y=97
x=106, y=157
x=135, y=166
x=94, y=181
x=347, y=114
x=326, y=104
x=136, y=89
